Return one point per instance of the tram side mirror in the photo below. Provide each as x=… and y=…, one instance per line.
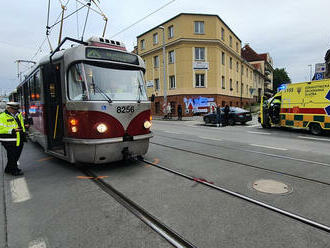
x=152, y=98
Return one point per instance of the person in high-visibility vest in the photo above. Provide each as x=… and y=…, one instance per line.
x=12, y=136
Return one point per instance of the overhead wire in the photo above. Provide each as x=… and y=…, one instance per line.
x=123, y=30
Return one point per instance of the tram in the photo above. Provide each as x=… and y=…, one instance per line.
x=88, y=103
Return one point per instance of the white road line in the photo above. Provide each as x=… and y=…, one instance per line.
x=312, y=138
x=257, y=125
x=172, y=132
x=38, y=243
x=19, y=190
x=270, y=147
x=259, y=133
x=209, y=138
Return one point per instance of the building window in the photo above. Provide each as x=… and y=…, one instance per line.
x=231, y=63
x=222, y=34
x=231, y=84
x=157, y=84
x=171, y=57
x=230, y=104
x=143, y=44
x=200, y=80
x=242, y=70
x=242, y=88
x=247, y=72
x=237, y=67
x=230, y=41
x=236, y=46
x=236, y=86
x=156, y=61
x=157, y=107
x=155, y=38
x=223, y=83
x=223, y=58
x=199, y=27
x=247, y=89
x=170, y=32
x=172, y=82
x=199, y=53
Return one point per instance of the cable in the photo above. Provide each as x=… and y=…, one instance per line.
x=77, y=20
x=89, y=5
x=68, y=16
x=143, y=18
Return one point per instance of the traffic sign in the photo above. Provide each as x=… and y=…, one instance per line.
x=318, y=76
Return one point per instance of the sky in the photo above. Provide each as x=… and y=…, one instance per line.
x=295, y=33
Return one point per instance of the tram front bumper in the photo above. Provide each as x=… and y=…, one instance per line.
x=106, y=150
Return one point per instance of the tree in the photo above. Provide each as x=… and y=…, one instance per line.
x=280, y=76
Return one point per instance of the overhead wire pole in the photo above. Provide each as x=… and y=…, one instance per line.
x=89, y=5
x=61, y=27
x=22, y=61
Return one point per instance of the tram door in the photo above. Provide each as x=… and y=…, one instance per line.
x=53, y=107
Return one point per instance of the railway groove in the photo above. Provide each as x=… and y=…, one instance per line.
x=297, y=217
x=244, y=164
x=166, y=232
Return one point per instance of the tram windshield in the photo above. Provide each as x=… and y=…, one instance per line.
x=95, y=83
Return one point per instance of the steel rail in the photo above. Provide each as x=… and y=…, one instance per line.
x=244, y=164
x=170, y=235
x=246, y=198
x=5, y=226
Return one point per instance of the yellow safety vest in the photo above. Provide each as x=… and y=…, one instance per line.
x=7, y=124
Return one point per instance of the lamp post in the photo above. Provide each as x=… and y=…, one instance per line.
x=164, y=69
x=310, y=72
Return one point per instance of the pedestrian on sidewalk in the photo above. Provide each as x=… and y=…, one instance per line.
x=169, y=111
x=12, y=136
x=226, y=111
x=179, y=112
x=218, y=115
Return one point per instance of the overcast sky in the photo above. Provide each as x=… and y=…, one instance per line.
x=296, y=33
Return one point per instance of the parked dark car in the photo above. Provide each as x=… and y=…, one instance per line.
x=235, y=115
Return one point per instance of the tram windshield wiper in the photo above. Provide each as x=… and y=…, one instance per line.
x=102, y=93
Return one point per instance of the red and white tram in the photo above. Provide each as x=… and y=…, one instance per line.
x=88, y=103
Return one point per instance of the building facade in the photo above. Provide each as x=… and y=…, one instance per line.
x=203, y=64
x=263, y=71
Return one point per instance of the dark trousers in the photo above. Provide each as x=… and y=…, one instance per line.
x=13, y=154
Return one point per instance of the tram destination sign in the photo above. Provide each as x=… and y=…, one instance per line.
x=105, y=54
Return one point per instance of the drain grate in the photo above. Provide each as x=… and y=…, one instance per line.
x=271, y=186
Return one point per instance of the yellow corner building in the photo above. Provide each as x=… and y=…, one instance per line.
x=203, y=65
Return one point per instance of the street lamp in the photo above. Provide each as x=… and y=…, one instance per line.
x=310, y=72
x=164, y=69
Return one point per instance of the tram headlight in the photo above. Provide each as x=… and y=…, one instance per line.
x=101, y=128
x=147, y=124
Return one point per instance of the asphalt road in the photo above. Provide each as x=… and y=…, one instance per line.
x=55, y=205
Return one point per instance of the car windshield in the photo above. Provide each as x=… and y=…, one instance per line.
x=95, y=83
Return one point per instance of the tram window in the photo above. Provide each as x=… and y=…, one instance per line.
x=77, y=89
x=32, y=89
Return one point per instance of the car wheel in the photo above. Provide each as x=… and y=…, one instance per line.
x=243, y=122
x=207, y=120
x=315, y=128
x=231, y=122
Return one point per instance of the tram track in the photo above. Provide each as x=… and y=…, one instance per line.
x=283, y=212
x=243, y=164
x=166, y=232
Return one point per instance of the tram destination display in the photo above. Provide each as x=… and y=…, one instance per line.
x=117, y=56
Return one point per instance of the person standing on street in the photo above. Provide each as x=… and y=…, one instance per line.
x=218, y=115
x=169, y=111
x=12, y=136
x=179, y=112
x=226, y=111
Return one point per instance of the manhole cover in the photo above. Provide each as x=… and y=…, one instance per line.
x=271, y=186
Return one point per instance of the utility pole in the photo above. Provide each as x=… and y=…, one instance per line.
x=310, y=72
x=164, y=69
x=19, y=75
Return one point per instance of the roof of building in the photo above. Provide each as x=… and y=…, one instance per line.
x=250, y=55
x=190, y=14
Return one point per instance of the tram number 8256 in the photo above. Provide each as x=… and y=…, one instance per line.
x=125, y=109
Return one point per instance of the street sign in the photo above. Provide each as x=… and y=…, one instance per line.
x=320, y=67
x=150, y=84
x=318, y=76
x=201, y=65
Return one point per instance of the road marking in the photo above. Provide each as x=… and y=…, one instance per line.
x=19, y=190
x=209, y=138
x=270, y=147
x=256, y=125
x=259, y=133
x=38, y=243
x=312, y=138
x=44, y=159
x=172, y=132
x=156, y=161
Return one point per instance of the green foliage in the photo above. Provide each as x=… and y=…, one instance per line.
x=280, y=76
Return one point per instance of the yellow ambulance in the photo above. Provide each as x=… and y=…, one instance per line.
x=299, y=105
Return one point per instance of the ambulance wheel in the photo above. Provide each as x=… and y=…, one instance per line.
x=315, y=128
